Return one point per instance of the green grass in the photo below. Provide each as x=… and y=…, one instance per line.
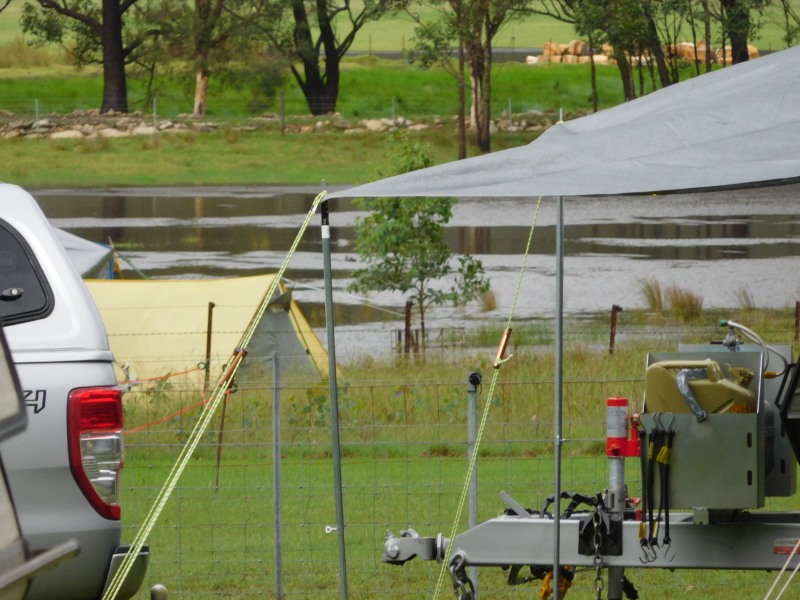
x=231, y=156
x=225, y=157
x=369, y=88
x=395, y=34
x=403, y=431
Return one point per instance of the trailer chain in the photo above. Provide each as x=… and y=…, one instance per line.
x=462, y=584
x=598, y=557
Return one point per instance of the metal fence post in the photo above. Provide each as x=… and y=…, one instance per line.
x=276, y=475
x=473, y=382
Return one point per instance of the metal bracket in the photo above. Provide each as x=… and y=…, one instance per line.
x=400, y=550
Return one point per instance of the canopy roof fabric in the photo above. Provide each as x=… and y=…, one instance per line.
x=735, y=127
x=159, y=327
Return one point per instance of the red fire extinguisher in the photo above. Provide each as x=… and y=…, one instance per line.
x=621, y=442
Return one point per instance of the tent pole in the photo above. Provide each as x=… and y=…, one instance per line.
x=559, y=378
x=334, y=393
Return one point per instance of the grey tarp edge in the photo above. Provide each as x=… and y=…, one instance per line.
x=734, y=127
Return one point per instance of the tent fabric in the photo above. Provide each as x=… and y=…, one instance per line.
x=158, y=327
x=90, y=259
x=734, y=127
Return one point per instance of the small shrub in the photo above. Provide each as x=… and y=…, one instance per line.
x=683, y=303
x=745, y=299
x=488, y=301
x=19, y=54
x=651, y=290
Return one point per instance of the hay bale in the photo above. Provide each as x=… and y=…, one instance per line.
x=584, y=60
x=576, y=48
x=570, y=59
x=600, y=59
x=684, y=51
x=724, y=54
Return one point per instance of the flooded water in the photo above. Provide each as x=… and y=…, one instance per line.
x=718, y=246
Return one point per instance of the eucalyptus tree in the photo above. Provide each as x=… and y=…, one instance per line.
x=314, y=36
x=432, y=46
x=473, y=26
x=740, y=21
x=92, y=32
x=200, y=36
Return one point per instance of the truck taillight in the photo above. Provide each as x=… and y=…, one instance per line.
x=94, y=417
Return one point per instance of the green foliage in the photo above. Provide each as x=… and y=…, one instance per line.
x=403, y=245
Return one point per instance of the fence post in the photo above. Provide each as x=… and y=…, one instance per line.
x=797, y=321
x=473, y=382
x=276, y=475
x=211, y=306
x=408, y=327
x=615, y=309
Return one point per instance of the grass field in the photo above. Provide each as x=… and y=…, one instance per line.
x=231, y=155
x=395, y=33
x=403, y=436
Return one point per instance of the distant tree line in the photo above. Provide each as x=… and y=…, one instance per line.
x=262, y=43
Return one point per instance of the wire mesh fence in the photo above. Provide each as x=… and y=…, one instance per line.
x=404, y=444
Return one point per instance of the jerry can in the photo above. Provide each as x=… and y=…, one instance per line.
x=698, y=386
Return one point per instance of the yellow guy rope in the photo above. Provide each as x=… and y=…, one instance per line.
x=498, y=361
x=205, y=418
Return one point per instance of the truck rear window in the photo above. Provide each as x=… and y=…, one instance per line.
x=24, y=292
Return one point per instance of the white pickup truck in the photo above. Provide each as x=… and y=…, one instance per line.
x=63, y=471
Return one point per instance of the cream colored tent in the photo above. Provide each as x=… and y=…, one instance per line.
x=158, y=328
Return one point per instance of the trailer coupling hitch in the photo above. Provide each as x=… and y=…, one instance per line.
x=400, y=550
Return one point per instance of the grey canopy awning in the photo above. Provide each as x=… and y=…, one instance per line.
x=735, y=127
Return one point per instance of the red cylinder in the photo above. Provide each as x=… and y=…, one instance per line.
x=616, y=427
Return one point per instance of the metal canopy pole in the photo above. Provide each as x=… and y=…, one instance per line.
x=277, y=476
x=559, y=377
x=334, y=392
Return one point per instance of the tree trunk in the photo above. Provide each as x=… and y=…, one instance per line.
x=626, y=73
x=654, y=45
x=485, y=130
x=738, y=19
x=707, y=34
x=320, y=90
x=200, y=92
x=478, y=65
x=593, y=70
x=462, y=104
x=115, y=86
x=206, y=16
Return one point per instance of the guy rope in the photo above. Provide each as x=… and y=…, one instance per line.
x=209, y=409
x=499, y=360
